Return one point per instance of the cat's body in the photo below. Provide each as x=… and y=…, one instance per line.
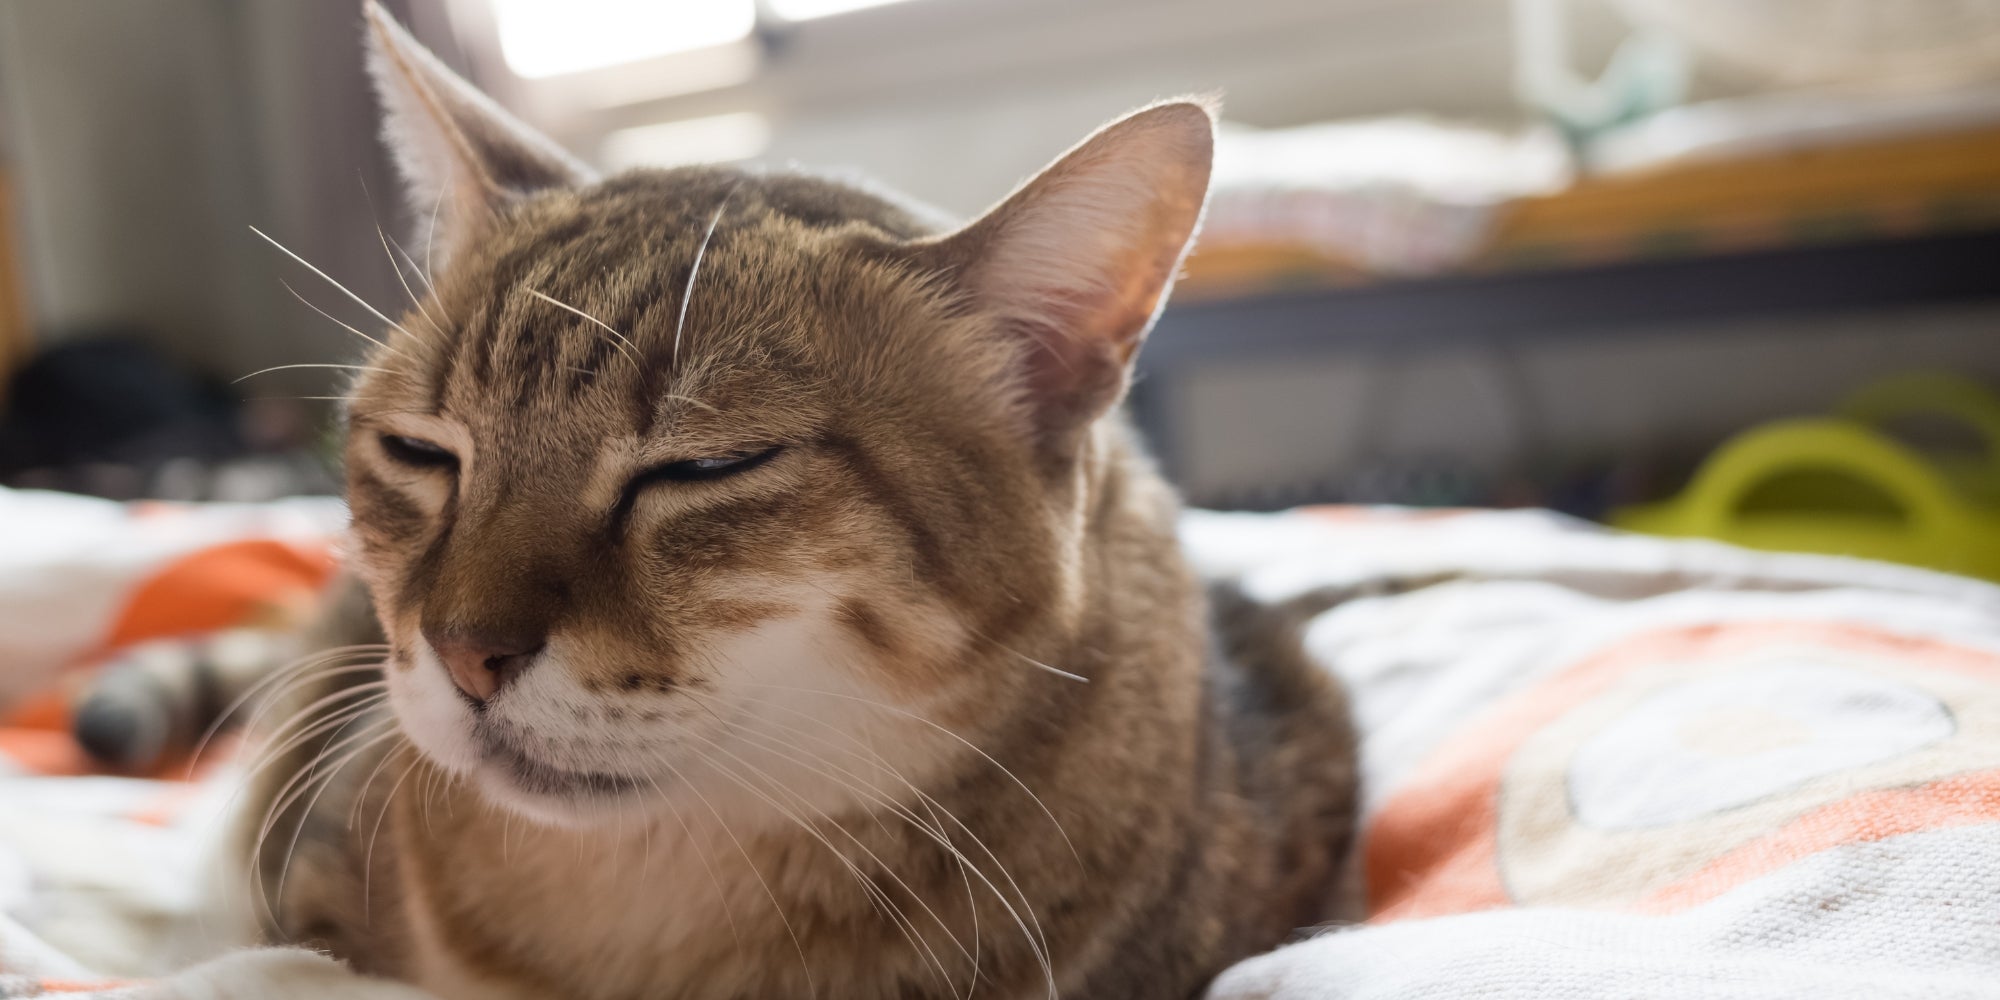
x=1213, y=850
x=773, y=609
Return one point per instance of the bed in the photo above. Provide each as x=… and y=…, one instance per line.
x=1595, y=764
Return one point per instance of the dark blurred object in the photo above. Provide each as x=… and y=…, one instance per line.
x=109, y=416
x=109, y=399
x=158, y=702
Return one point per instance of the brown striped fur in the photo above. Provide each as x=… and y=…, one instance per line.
x=795, y=732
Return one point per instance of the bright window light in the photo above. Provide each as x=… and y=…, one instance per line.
x=806, y=10
x=715, y=139
x=542, y=38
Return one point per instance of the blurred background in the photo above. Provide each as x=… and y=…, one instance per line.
x=1461, y=252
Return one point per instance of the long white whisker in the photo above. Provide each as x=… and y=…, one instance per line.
x=340, y=716
x=358, y=300
x=935, y=829
x=277, y=744
x=417, y=270
x=1058, y=671
x=432, y=779
x=285, y=797
x=858, y=786
x=313, y=725
x=391, y=254
x=303, y=669
x=694, y=271
x=291, y=850
x=968, y=744
x=403, y=281
x=812, y=990
x=354, y=811
x=886, y=868
x=343, y=324
x=308, y=671
x=1036, y=938
x=368, y=856
x=430, y=239
x=690, y=400
x=277, y=734
x=701, y=854
x=625, y=346
x=876, y=895
x=280, y=368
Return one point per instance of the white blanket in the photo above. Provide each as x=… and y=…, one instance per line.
x=1605, y=767
x=1595, y=766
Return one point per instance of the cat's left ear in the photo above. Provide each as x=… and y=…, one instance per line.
x=1077, y=262
x=463, y=159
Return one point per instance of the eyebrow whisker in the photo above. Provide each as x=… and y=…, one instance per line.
x=625, y=346
x=339, y=322
x=363, y=303
x=403, y=281
x=691, y=401
x=694, y=271
x=397, y=266
x=279, y=368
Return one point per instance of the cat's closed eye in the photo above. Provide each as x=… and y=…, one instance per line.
x=695, y=470
x=417, y=452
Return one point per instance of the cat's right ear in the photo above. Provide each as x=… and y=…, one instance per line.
x=462, y=158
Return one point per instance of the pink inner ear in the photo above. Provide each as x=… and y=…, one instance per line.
x=1085, y=332
x=1075, y=362
x=1128, y=314
x=1077, y=262
x=1075, y=382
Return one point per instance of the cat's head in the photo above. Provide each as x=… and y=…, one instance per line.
x=708, y=478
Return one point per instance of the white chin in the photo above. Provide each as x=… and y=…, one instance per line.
x=441, y=727
x=557, y=798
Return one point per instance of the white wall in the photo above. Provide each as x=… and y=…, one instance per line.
x=955, y=100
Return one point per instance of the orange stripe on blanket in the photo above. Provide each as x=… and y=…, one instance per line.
x=1961, y=800
x=44, y=710
x=1433, y=849
x=224, y=586
x=243, y=583
x=82, y=986
x=47, y=752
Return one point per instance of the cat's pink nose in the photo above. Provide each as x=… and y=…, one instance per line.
x=482, y=661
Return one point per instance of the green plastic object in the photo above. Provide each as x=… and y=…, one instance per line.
x=1940, y=401
x=1834, y=486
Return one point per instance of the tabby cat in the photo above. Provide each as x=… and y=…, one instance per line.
x=774, y=604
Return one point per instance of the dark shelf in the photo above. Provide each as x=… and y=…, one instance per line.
x=1422, y=314
x=1649, y=297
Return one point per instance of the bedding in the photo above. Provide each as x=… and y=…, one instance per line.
x=1595, y=764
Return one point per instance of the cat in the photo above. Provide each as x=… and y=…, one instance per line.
x=758, y=594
